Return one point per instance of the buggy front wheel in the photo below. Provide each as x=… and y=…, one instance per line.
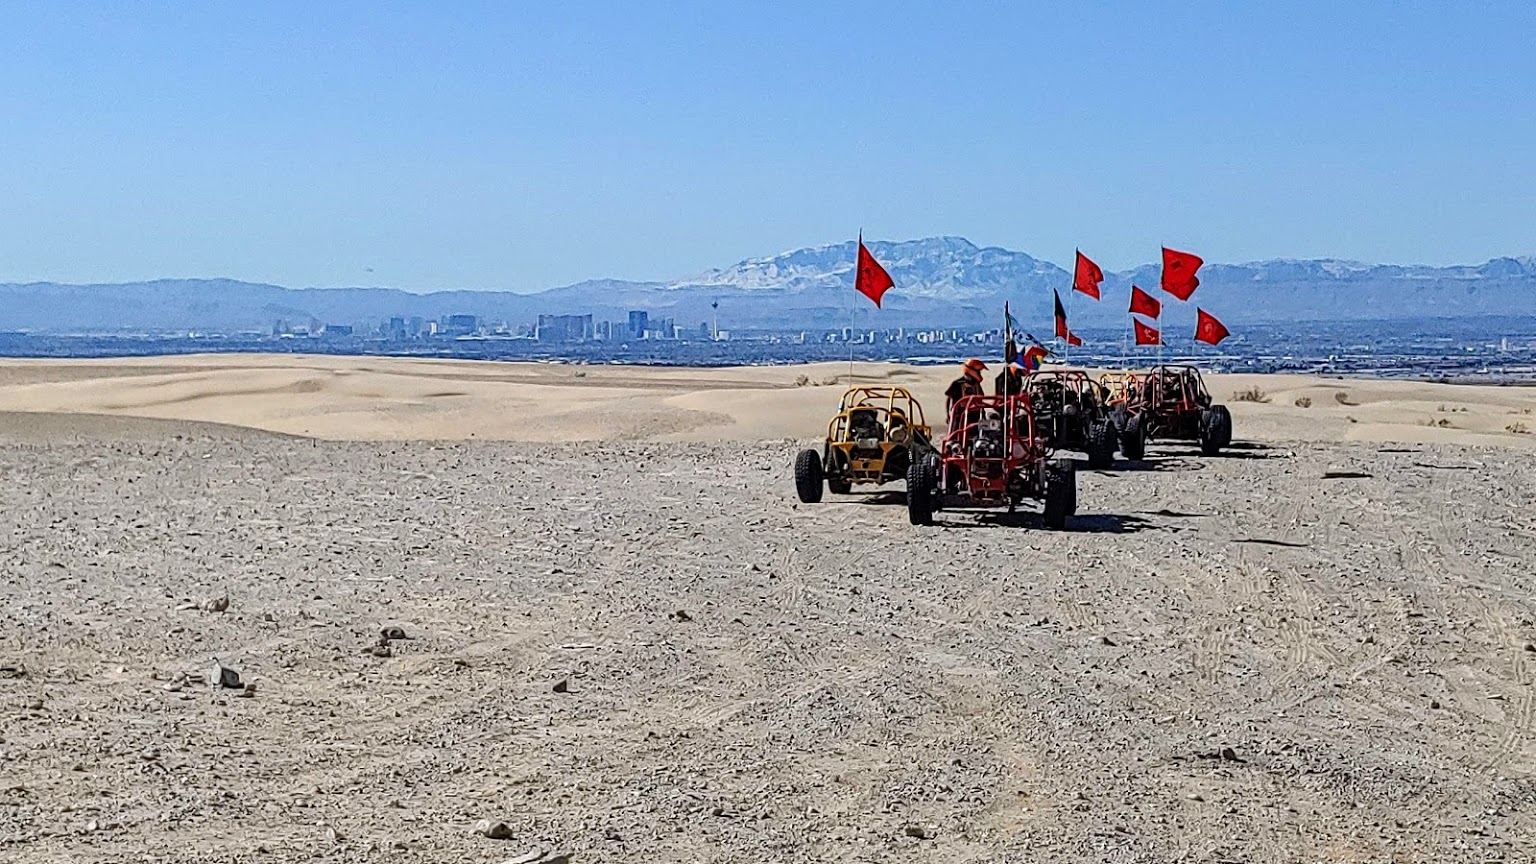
x=1060, y=494
x=922, y=488
x=1101, y=444
x=808, y=476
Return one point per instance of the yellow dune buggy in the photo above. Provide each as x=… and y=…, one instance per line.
x=874, y=437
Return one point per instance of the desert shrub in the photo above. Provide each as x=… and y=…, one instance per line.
x=1252, y=394
x=802, y=380
x=1444, y=423
x=1342, y=398
x=828, y=382
x=1441, y=409
x=1351, y=419
x=1303, y=401
x=1517, y=429
x=581, y=373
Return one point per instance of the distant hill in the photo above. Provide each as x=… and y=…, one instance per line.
x=940, y=281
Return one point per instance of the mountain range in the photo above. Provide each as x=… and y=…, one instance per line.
x=940, y=281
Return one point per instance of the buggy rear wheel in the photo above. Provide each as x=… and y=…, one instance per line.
x=1133, y=436
x=808, y=476
x=1060, y=494
x=839, y=484
x=1101, y=444
x=922, y=488
x=1215, y=429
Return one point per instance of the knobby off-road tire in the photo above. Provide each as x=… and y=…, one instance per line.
x=808, y=476
x=1215, y=429
x=839, y=484
x=1101, y=444
x=922, y=488
x=1060, y=494
x=1133, y=436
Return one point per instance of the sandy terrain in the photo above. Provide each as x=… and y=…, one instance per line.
x=392, y=399
x=1229, y=659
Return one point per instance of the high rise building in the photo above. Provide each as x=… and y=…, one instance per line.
x=639, y=322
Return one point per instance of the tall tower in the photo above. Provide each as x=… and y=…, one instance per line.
x=714, y=326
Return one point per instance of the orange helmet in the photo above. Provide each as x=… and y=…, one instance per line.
x=973, y=367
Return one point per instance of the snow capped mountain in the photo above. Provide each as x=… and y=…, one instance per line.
x=937, y=268
x=940, y=281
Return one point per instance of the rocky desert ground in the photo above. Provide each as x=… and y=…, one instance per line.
x=585, y=614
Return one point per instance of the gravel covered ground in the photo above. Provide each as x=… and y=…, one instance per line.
x=652, y=652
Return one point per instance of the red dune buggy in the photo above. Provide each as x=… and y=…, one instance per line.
x=993, y=456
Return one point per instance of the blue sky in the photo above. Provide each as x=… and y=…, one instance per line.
x=525, y=145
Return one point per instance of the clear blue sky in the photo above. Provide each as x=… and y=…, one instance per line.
x=525, y=145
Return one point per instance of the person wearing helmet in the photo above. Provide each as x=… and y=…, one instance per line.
x=1010, y=381
x=968, y=384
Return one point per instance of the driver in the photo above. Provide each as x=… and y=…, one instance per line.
x=968, y=384
x=1010, y=381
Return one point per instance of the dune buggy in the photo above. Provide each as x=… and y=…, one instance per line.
x=993, y=456
x=872, y=439
x=1168, y=402
x=1070, y=413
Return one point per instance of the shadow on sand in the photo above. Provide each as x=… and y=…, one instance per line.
x=1150, y=463
x=883, y=497
x=1262, y=541
x=1087, y=523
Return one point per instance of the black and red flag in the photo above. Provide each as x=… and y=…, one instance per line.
x=1086, y=276
x=1062, y=331
x=870, y=279
x=1179, y=273
x=1208, y=329
x=1146, y=335
x=1143, y=303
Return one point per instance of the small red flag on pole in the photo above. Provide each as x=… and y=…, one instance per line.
x=1147, y=335
x=1143, y=303
x=1179, y=273
x=1062, y=331
x=1087, y=276
x=1208, y=329
x=871, y=280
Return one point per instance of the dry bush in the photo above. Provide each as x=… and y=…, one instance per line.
x=1252, y=394
x=1517, y=429
x=1441, y=409
x=1351, y=419
x=1303, y=401
x=581, y=373
x=802, y=380
x=1445, y=424
x=1342, y=398
x=828, y=382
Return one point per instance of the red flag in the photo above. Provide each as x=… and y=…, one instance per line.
x=1147, y=335
x=1061, y=322
x=1179, y=273
x=1087, y=276
x=871, y=280
x=1143, y=303
x=1208, y=329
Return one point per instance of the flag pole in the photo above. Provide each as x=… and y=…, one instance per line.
x=851, y=305
x=1071, y=289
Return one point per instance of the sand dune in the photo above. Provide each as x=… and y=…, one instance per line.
x=393, y=399
x=1311, y=648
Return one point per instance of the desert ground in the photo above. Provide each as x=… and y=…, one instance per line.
x=628, y=641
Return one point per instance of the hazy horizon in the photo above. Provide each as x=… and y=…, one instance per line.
x=701, y=271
